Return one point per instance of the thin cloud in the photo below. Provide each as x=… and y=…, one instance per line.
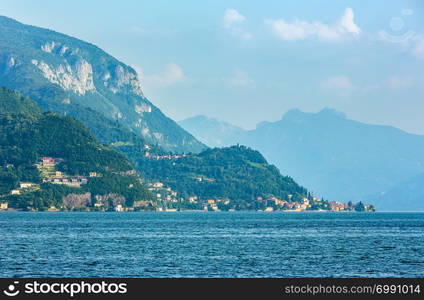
x=232, y=22
x=173, y=74
x=418, y=49
x=300, y=30
x=400, y=82
x=232, y=17
x=337, y=83
x=239, y=79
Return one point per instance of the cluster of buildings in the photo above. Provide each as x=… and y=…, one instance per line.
x=149, y=155
x=313, y=203
x=71, y=181
x=48, y=162
x=163, y=194
x=4, y=205
x=47, y=166
x=212, y=204
x=168, y=200
x=273, y=203
x=25, y=187
x=338, y=206
x=159, y=157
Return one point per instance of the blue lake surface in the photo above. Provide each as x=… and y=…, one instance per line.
x=185, y=244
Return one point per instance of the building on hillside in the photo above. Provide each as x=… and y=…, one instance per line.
x=304, y=206
x=15, y=192
x=53, y=208
x=140, y=203
x=25, y=185
x=48, y=161
x=4, y=205
x=192, y=199
x=75, y=181
x=336, y=206
x=157, y=184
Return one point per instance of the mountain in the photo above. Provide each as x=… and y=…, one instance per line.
x=210, y=131
x=14, y=103
x=51, y=160
x=73, y=78
x=47, y=159
x=407, y=196
x=238, y=174
x=67, y=75
x=338, y=158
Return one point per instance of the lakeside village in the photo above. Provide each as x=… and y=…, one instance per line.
x=168, y=200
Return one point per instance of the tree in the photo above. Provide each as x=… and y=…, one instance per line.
x=360, y=207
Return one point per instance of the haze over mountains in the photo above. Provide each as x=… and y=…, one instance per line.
x=77, y=79
x=338, y=158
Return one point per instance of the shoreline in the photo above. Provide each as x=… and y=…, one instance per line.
x=203, y=211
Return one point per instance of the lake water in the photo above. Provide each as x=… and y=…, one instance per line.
x=245, y=244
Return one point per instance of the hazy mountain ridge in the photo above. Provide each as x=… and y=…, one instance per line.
x=338, y=158
x=406, y=196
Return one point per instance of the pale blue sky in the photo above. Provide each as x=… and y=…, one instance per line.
x=250, y=61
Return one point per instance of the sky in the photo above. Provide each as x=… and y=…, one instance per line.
x=249, y=61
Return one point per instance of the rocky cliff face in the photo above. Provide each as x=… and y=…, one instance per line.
x=59, y=71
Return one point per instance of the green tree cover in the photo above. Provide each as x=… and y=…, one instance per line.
x=26, y=135
x=13, y=102
x=237, y=173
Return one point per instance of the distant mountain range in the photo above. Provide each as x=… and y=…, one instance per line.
x=338, y=158
x=67, y=75
x=334, y=157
